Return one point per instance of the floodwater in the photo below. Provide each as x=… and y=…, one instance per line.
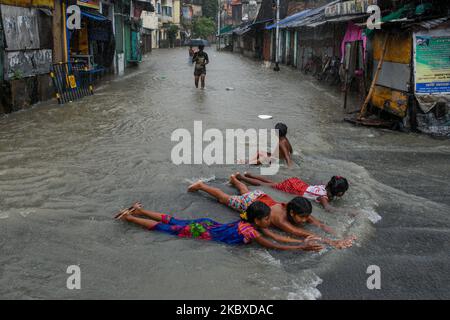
x=65, y=171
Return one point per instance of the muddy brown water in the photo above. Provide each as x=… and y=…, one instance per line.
x=65, y=170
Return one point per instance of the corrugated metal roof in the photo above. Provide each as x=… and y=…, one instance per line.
x=317, y=18
x=315, y=24
x=312, y=17
x=430, y=24
x=408, y=23
x=290, y=18
x=347, y=17
x=303, y=17
x=320, y=20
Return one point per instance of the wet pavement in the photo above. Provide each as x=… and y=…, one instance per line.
x=65, y=170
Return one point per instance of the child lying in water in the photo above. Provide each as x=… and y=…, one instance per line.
x=284, y=149
x=322, y=194
x=237, y=232
x=286, y=217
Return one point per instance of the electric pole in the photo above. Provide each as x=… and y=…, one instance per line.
x=277, y=39
x=218, y=24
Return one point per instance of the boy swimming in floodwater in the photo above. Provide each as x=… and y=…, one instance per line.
x=323, y=194
x=284, y=149
x=286, y=217
x=237, y=232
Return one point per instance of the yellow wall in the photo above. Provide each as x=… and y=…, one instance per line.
x=398, y=51
x=398, y=47
x=29, y=3
x=176, y=11
x=393, y=101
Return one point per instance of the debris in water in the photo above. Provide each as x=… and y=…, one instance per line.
x=371, y=215
x=264, y=116
x=26, y=212
x=229, y=89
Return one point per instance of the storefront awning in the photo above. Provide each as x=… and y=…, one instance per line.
x=247, y=28
x=93, y=16
x=304, y=18
x=288, y=19
x=225, y=30
x=242, y=30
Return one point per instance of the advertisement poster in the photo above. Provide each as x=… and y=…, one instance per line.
x=432, y=60
x=432, y=67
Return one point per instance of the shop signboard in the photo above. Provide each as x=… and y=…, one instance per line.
x=348, y=7
x=94, y=4
x=432, y=67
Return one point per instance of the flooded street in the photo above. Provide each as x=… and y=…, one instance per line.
x=65, y=170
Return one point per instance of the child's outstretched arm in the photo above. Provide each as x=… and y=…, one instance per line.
x=294, y=230
x=290, y=228
x=326, y=205
x=329, y=208
x=321, y=225
x=279, y=237
x=271, y=245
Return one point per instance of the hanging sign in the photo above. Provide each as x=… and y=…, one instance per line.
x=94, y=4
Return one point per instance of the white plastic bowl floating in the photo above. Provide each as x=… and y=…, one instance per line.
x=264, y=116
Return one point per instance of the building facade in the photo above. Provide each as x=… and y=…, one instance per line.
x=112, y=36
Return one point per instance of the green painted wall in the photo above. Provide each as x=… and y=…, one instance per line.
x=135, y=45
x=127, y=41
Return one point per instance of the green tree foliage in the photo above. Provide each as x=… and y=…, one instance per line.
x=209, y=9
x=172, y=31
x=202, y=27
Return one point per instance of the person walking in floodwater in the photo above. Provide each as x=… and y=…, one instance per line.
x=200, y=59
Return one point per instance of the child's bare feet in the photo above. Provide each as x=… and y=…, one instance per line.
x=137, y=205
x=195, y=186
x=131, y=210
x=124, y=213
x=233, y=178
x=136, y=208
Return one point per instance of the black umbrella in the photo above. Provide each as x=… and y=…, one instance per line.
x=198, y=42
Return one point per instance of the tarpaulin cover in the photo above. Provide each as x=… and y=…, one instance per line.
x=353, y=33
x=400, y=13
x=93, y=16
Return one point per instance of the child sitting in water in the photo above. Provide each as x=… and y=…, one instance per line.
x=322, y=194
x=238, y=232
x=284, y=149
x=286, y=217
